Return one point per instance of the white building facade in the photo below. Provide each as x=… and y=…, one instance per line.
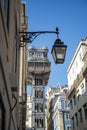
x=77, y=82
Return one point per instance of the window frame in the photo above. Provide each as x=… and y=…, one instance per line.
x=85, y=111
x=69, y=127
x=80, y=115
x=67, y=116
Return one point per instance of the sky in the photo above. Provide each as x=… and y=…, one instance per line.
x=70, y=16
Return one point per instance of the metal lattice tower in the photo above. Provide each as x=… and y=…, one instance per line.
x=38, y=75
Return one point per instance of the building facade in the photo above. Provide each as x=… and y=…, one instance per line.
x=77, y=82
x=49, y=111
x=9, y=27
x=38, y=75
x=58, y=114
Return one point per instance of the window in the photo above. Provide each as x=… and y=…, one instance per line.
x=65, y=90
x=82, y=88
x=71, y=104
x=38, y=122
x=44, y=54
x=78, y=95
x=38, y=82
x=80, y=114
x=67, y=116
x=68, y=128
x=38, y=94
x=86, y=82
x=73, y=124
x=67, y=104
x=38, y=107
x=74, y=98
x=31, y=53
x=76, y=117
x=85, y=110
x=38, y=54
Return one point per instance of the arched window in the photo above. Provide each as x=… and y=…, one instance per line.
x=40, y=94
x=38, y=122
x=40, y=106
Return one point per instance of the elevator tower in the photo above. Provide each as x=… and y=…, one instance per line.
x=38, y=75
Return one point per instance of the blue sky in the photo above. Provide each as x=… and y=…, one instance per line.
x=70, y=16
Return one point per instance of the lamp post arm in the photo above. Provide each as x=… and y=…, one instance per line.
x=41, y=32
x=28, y=37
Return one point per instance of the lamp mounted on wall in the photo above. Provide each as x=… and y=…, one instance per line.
x=58, y=50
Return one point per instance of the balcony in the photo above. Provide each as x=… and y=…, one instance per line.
x=39, y=67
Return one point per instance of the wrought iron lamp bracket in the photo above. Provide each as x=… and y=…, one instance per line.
x=28, y=37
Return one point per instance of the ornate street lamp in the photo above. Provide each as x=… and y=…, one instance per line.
x=58, y=49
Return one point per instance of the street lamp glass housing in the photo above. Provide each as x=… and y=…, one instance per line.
x=59, y=51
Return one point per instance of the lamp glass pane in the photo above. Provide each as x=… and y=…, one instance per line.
x=60, y=52
x=60, y=56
